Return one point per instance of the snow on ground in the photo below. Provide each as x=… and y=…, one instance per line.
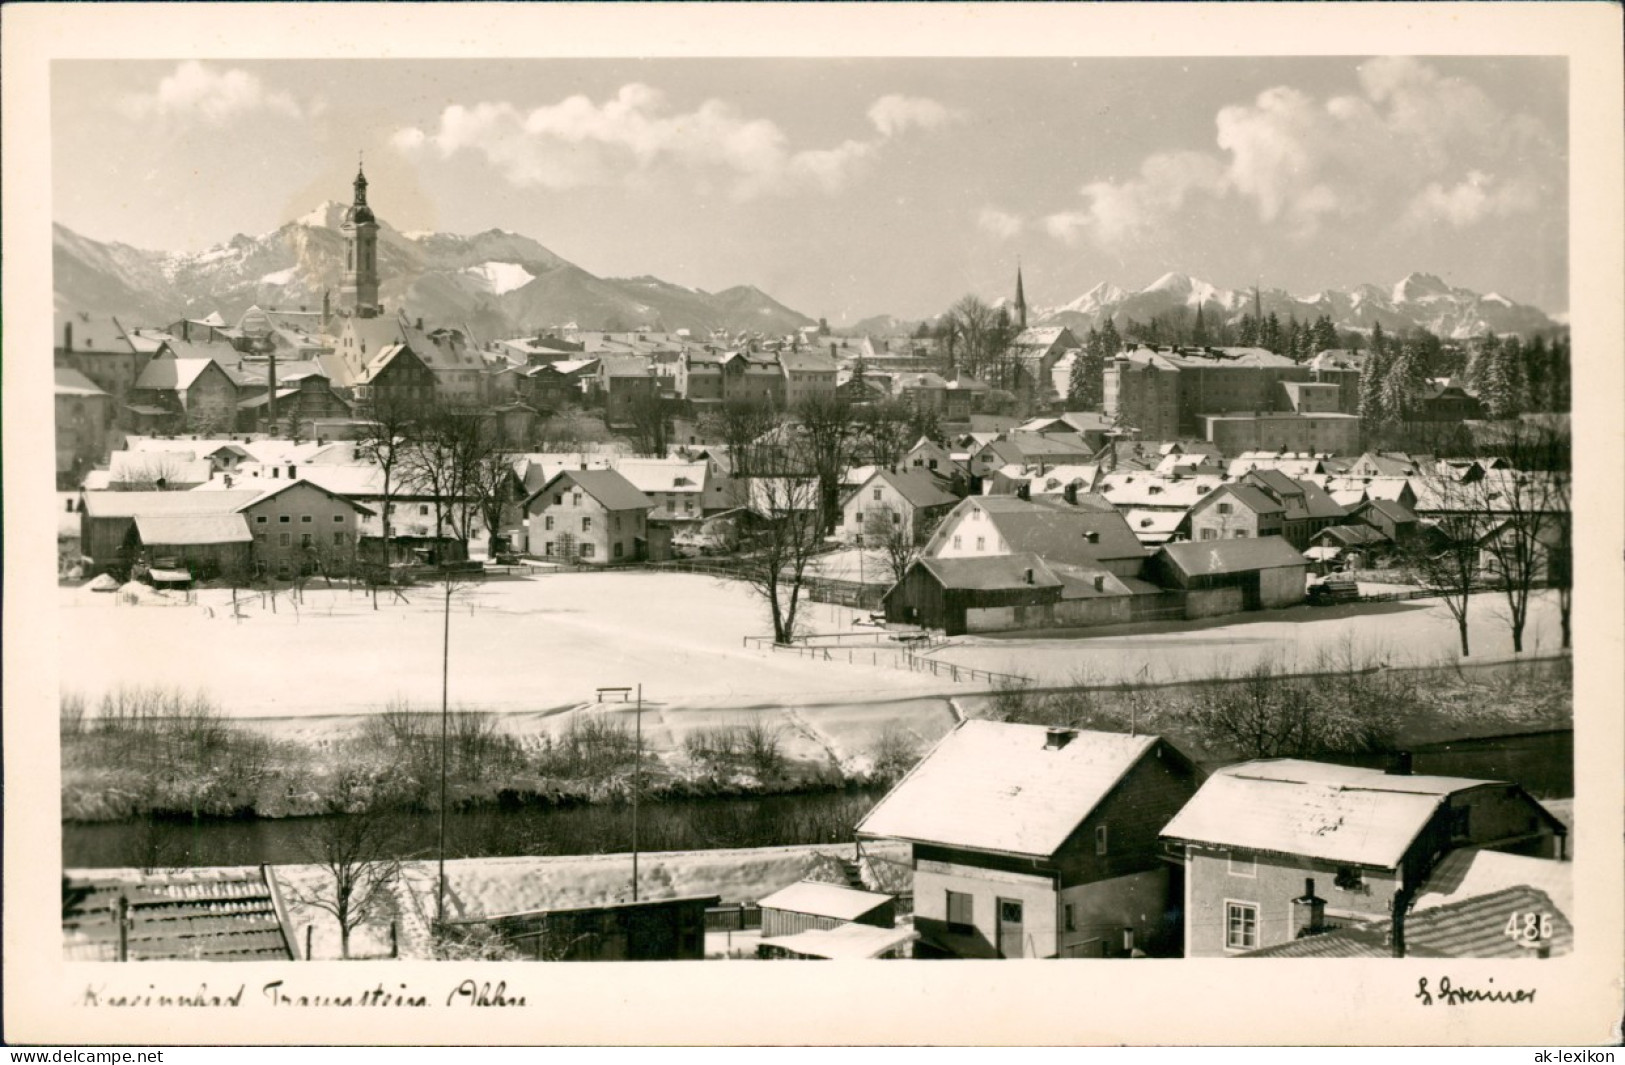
x=489, y=887
x=1418, y=632
x=516, y=645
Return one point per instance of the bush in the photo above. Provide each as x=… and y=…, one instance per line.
x=756, y=747
x=893, y=754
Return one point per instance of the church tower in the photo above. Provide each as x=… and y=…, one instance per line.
x=1021, y=301
x=359, y=293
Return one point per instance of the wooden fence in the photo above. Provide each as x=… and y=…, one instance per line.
x=893, y=657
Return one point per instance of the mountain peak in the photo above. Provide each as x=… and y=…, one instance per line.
x=328, y=214
x=1417, y=286
x=1176, y=283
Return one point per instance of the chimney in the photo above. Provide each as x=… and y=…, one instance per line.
x=1056, y=738
x=420, y=325
x=1402, y=764
x=1308, y=912
x=1100, y=583
x=67, y=335
x=1070, y=493
x=292, y=471
x=228, y=480
x=1028, y=575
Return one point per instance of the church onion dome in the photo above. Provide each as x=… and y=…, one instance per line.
x=359, y=211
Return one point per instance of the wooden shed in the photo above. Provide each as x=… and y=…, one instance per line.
x=812, y=905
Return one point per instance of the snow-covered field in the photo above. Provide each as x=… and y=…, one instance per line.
x=537, y=650
x=517, y=645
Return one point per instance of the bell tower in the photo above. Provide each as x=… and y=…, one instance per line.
x=359, y=294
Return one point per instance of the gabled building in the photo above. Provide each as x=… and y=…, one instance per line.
x=98, y=346
x=932, y=457
x=1236, y=511
x=1227, y=576
x=1033, y=842
x=394, y=375
x=197, y=393
x=1306, y=508
x=889, y=504
x=1038, y=450
x=807, y=374
x=301, y=527
x=984, y=526
x=1368, y=839
x=86, y=427
x=593, y=516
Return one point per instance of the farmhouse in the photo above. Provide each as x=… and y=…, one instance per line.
x=889, y=504
x=1053, y=529
x=1367, y=839
x=1033, y=842
x=998, y=593
x=593, y=516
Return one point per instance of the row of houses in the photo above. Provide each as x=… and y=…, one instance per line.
x=1029, y=841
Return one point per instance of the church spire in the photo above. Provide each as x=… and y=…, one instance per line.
x=1021, y=298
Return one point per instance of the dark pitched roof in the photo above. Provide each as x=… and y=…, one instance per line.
x=286, y=485
x=1252, y=498
x=1353, y=535
x=611, y=489
x=920, y=489
x=1392, y=509
x=1060, y=531
x=1207, y=558
x=992, y=572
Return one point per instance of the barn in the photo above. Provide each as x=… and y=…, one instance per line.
x=810, y=904
x=1227, y=576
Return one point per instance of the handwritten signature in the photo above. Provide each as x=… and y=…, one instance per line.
x=1449, y=994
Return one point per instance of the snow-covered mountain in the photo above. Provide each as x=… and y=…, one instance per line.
x=1417, y=300
x=496, y=282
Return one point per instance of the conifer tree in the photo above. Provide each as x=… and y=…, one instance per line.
x=1401, y=383
x=1086, y=384
x=1109, y=339
x=1199, y=330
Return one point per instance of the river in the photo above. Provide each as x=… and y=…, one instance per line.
x=1543, y=762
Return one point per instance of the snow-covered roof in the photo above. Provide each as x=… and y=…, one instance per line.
x=824, y=900
x=1002, y=787
x=848, y=942
x=1314, y=809
x=1470, y=872
x=192, y=529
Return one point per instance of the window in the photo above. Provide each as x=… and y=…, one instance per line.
x=1100, y=839
x=586, y=524
x=338, y=539
x=981, y=543
x=1070, y=922
x=283, y=519
x=1241, y=534
x=305, y=519
x=307, y=540
x=547, y=548
x=1242, y=865
x=338, y=519
x=961, y=913
x=558, y=500
x=615, y=522
x=956, y=543
x=1225, y=508
x=620, y=549
x=688, y=506
x=260, y=519
x=575, y=499
x=932, y=464
x=896, y=518
x=1240, y=926
x=1460, y=823
x=548, y=523
x=585, y=550
x=877, y=495
x=1210, y=534
x=284, y=539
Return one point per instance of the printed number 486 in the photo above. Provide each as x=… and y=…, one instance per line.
x=1529, y=927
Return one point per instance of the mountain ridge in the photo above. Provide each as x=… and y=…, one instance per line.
x=496, y=282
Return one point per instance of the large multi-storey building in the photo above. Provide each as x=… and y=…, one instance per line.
x=1163, y=392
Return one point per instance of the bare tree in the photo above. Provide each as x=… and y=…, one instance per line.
x=1526, y=513
x=885, y=431
x=444, y=460
x=897, y=536
x=787, y=535
x=739, y=422
x=825, y=446
x=357, y=844
x=1446, y=564
x=392, y=421
x=650, y=417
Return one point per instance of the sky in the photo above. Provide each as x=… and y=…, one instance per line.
x=852, y=187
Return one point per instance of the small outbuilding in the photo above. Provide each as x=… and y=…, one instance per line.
x=1227, y=576
x=810, y=904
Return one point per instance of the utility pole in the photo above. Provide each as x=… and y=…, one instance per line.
x=637, y=787
x=445, y=673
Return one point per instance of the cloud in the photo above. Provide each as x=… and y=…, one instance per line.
x=1476, y=197
x=895, y=114
x=1115, y=213
x=216, y=96
x=999, y=224
x=1412, y=147
x=636, y=133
